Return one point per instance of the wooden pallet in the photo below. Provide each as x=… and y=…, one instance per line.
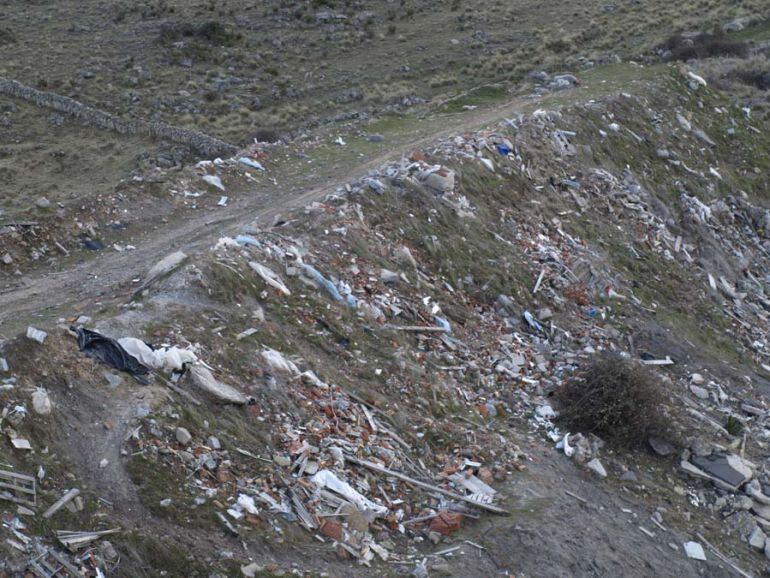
x=51, y=564
x=18, y=488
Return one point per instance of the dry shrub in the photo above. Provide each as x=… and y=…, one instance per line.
x=212, y=31
x=6, y=36
x=705, y=45
x=266, y=134
x=756, y=77
x=615, y=398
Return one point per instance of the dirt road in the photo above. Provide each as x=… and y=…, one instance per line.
x=42, y=296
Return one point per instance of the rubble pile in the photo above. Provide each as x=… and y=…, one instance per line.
x=389, y=339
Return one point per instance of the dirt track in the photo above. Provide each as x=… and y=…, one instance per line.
x=43, y=296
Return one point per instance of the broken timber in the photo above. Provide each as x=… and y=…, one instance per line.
x=424, y=486
x=61, y=502
x=50, y=564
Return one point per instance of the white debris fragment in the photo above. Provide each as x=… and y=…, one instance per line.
x=278, y=362
x=251, y=163
x=699, y=80
x=270, y=277
x=327, y=479
x=167, y=359
x=214, y=181
x=41, y=403
x=36, y=334
x=694, y=551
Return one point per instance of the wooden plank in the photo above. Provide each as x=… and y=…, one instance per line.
x=14, y=475
x=423, y=485
x=61, y=502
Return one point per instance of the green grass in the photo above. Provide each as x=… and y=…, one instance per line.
x=758, y=32
x=145, y=556
x=156, y=480
x=481, y=96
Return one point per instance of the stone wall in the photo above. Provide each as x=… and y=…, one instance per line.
x=197, y=141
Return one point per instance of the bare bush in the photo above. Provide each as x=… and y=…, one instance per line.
x=704, y=45
x=615, y=398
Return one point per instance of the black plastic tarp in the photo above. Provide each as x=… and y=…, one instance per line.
x=109, y=351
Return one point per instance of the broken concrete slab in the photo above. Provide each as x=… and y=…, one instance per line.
x=441, y=180
x=165, y=266
x=729, y=468
x=754, y=489
x=596, y=467
x=694, y=551
x=757, y=539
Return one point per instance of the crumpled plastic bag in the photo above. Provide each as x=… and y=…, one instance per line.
x=327, y=479
x=278, y=362
x=270, y=277
x=166, y=359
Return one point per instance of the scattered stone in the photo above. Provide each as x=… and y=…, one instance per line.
x=757, y=539
x=281, y=460
x=388, y=277
x=403, y=256
x=683, y=122
x=629, y=476
x=43, y=203
x=183, y=436
x=699, y=392
x=165, y=503
x=441, y=180
x=700, y=447
x=703, y=136
x=544, y=314
x=113, y=379
x=661, y=446
x=41, y=403
x=743, y=503
x=441, y=568
x=754, y=489
x=697, y=379
x=251, y=570
x=740, y=523
x=213, y=443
